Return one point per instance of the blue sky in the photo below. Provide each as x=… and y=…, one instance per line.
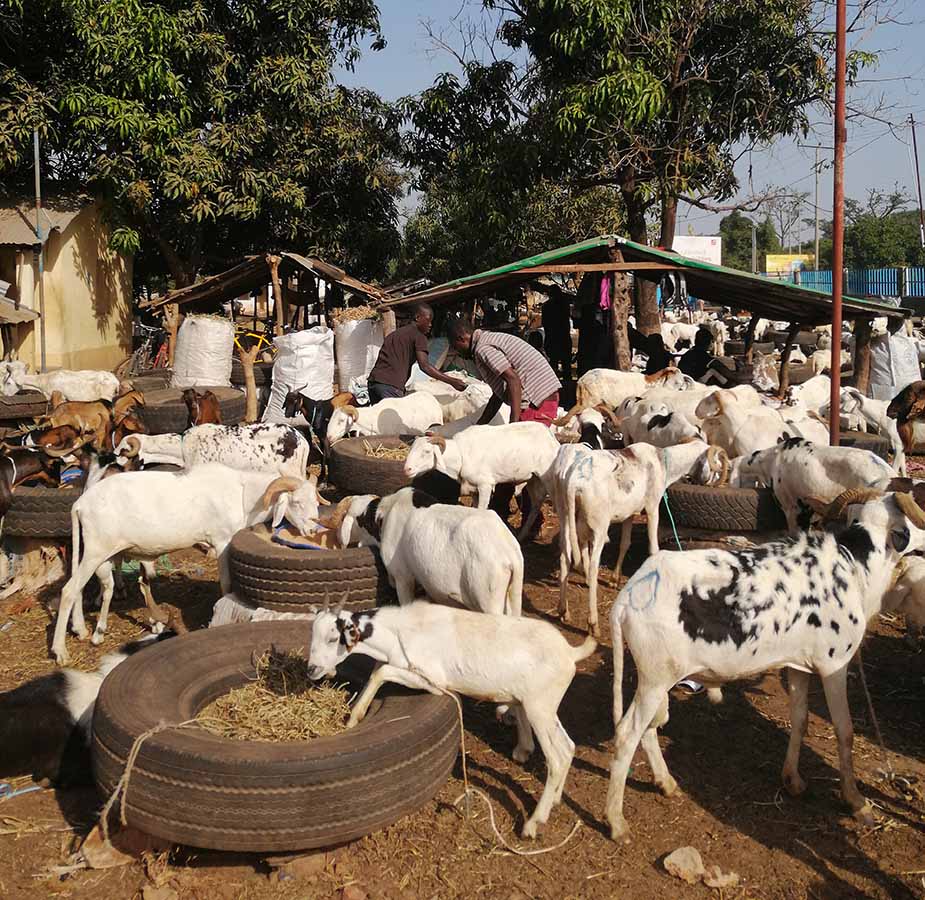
x=878, y=156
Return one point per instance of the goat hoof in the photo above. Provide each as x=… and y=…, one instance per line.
x=620, y=831
x=62, y=658
x=353, y=721
x=715, y=695
x=668, y=787
x=529, y=830
x=98, y=638
x=594, y=630
x=794, y=785
x=865, y=816
x=81, y=633
x=521, y=754
x=565, y=616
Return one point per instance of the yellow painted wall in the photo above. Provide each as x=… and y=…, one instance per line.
x=88, y=298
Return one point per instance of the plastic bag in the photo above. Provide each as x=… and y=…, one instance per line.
x=304, y=362
x=205, y=345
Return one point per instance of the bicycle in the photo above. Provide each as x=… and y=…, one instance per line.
x=150, y=354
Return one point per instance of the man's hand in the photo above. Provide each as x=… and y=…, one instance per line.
x=456, y=383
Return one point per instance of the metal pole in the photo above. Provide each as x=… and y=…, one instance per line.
x=918, y=181
x=41, y=239
x=838, y=220
x=754, y=247
x=816, y=256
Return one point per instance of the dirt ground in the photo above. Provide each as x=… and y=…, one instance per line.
x=727, y=760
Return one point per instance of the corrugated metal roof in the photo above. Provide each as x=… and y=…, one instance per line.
x=254, y=271
x=741, y=290
x=17, y=217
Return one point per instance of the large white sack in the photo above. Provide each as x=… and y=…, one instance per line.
x=304, y=361
x=357, y=345
x=205, y=345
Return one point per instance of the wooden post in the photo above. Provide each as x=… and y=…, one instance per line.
x=388, y=322
x=248, y=357
x=785, y=359
x=282, y=308
x=862, y=333
x=171, y=326
x=750, y=338
x=621, y=302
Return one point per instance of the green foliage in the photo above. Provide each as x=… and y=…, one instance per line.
x=212, y=127
x=736, y=231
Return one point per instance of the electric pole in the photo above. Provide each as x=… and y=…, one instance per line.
x=918, y=182
x=816, y=252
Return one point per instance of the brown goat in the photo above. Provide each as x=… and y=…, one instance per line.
x=128, y=424
x=204, y=409
x=125, y=404
x=62, y=440
x=93, y=417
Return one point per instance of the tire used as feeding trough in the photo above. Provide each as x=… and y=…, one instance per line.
x=273, y=576
x=40, y=512
x=165, y=412
x=190, y=786
x=737, y=348
x=726, y=509
x=23, y=405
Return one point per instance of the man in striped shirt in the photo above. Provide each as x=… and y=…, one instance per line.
x=515, y=371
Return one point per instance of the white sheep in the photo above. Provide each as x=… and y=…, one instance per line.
x=523, y=662
x=610, y=387
x=87, y=385
x=412, y=414
x=853, y=402
x=143, y=515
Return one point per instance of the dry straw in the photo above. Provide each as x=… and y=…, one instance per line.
x=381, y=451
x=353, y=314
x=280, y=704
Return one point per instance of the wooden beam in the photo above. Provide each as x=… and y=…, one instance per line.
x=785, y=359
x=599, y=267
x=862, y=333
x=750, y=337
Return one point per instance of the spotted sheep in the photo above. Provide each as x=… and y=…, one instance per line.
x=806, y=477
x=484, y=456
x=874, y=414
x=523, y=662
x=801, y=604
x=593, y=489
x=655, y=424
x=455, y=553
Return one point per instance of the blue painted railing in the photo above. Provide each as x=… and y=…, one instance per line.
x=894, y=282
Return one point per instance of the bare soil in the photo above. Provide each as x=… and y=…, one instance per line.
x=727, y=760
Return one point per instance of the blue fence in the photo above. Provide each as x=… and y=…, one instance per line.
x=900, y=282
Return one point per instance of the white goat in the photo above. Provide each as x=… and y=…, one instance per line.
x=88, y=384
x=146, y=514
x=413, y=414
x=455, y=553
x=483, y=456
x=655, y=424
x=610, y=387
x=151, y=449
x=523, y=662
x=721, y=616
x=805, y=476
x=853, y=402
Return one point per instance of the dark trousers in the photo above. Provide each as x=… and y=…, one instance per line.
x=379, y=391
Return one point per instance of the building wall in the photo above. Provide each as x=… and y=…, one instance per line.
x=88, y=298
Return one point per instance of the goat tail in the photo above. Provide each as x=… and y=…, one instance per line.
x=585, y=649
x=515, y=588
x=616, y=628
x=75, y=540
x=571, y=502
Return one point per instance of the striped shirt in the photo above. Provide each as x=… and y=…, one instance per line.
x=495, y=353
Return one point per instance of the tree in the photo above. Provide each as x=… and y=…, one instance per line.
x=654, y=99
x=736, y=231
x=211, y=128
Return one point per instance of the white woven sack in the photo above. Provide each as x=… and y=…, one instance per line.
x=305, y=361
x=358, y=344
x=205, y=345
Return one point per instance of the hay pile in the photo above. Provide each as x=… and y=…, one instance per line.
x=352, y=314
x=380, y=451
x=280, y=704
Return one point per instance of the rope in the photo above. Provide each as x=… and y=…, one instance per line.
x=7, y=792
x=665, y=500
x=890, y=774
x=467, y=791
x=123, y=782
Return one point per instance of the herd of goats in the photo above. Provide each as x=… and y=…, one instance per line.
x=801, y=603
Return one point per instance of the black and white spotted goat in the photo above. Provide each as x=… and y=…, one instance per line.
x=719, y=616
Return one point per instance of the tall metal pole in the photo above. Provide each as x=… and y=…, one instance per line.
x=816, y=254
x=41, y=249
x=838, y=219
x=918, y=182
x=754, y=247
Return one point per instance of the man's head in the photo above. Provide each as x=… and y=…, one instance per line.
x=422, y=316
x=460, y=336
x=703, y=340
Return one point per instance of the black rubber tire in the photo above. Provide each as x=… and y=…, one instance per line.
x=166, y=413
x=198, y=789
x=23, y=405
x=151, y=379
x=40, y=512
x=876, y=443
x=356, y=473
x=800, y=372
x=263, y=373
x=286, y=580
x=725, y=508
x=737, y=348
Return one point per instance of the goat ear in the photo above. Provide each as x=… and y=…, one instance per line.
x=279, y=508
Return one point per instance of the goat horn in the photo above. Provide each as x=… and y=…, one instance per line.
x=336, y=519
x=351, y=411
x=276, y=487
x=836, y=509
x=564, y=420
x=610, y=415
x=438, y=440
x=910, y=509
x=67, y=451
x=133, y=448
x=715, y=454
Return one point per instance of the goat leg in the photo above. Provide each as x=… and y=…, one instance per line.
x=157, y=614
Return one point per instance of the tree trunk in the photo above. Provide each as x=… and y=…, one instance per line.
x=862, y=331
x=647, y=318
x=248, y=357
x=785, y=359
x=621, y=303
x=282, y=308
x=750, y=338
x=669, y=222
x=171, y=326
